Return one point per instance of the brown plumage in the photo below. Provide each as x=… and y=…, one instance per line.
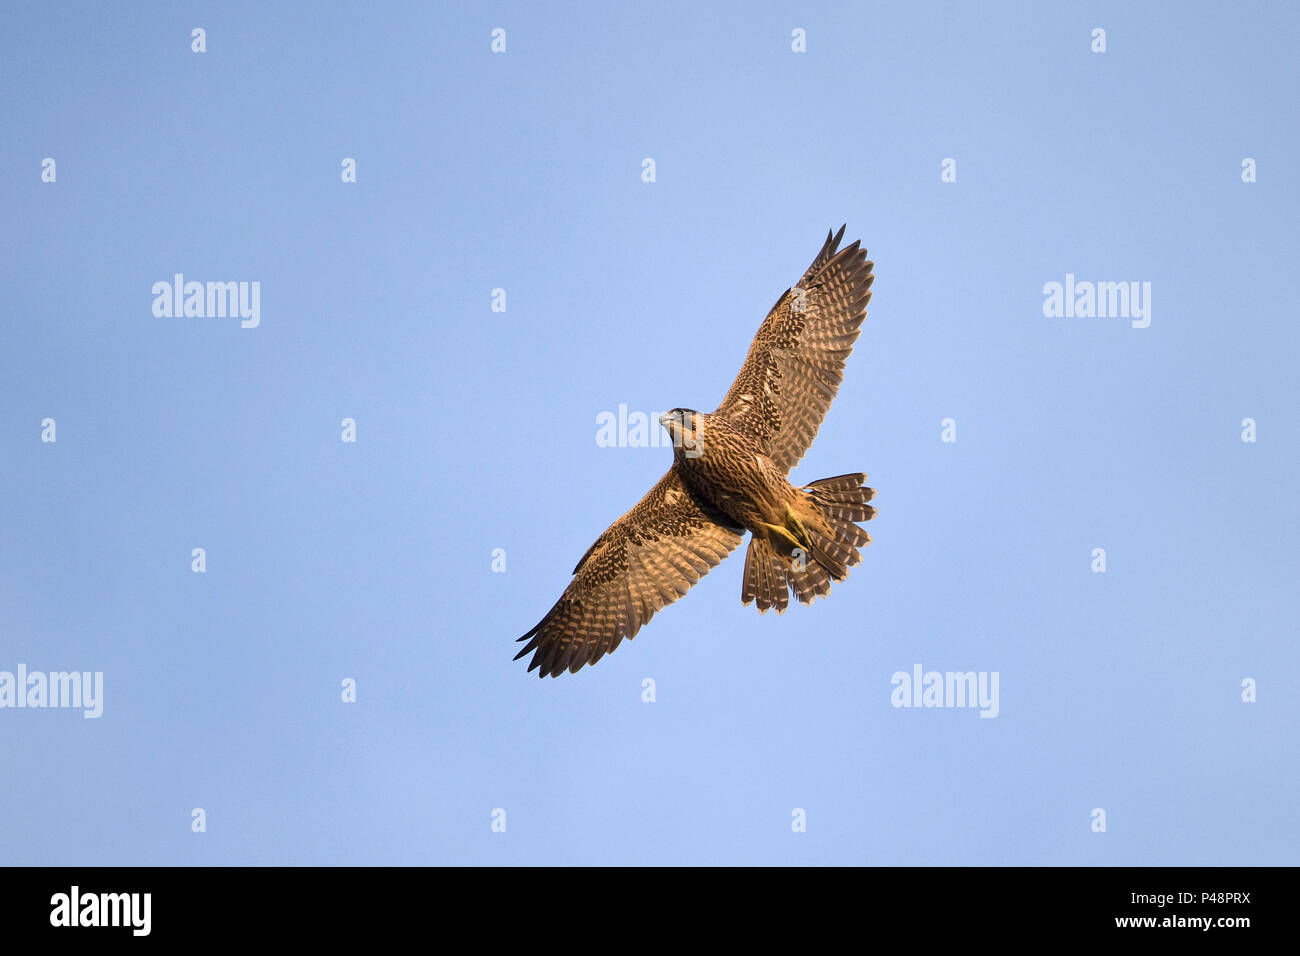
x=728, y=477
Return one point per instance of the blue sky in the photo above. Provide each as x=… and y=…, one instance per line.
x=475, y=430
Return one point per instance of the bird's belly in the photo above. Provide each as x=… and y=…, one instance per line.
x=748, y=489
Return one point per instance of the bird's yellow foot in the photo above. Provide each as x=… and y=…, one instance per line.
x=790, y=537
x=784, y=542
x=798, y=530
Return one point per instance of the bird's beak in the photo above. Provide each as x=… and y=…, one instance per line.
x=666, y=420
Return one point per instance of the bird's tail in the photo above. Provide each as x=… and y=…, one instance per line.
x=818, y=544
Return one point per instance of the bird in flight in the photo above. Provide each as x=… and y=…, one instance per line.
x=729, y=476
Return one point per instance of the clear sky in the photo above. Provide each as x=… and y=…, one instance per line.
x=372, y=560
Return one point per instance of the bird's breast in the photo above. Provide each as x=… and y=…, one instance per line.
x=737, y=480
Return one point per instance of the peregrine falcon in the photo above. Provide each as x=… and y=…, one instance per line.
x=729, y=476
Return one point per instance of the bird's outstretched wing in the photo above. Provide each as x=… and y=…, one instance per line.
x=796, y=362
x=645, y=561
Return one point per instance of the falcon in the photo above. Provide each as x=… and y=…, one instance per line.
x=729, y=476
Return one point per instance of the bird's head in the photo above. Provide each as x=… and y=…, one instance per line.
x=685, y=427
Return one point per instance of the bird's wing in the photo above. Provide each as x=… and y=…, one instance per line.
x=645, y=561
x=796, y=362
